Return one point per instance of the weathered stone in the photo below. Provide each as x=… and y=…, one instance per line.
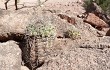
x=67, y=18
x=12, y=27
x=97, y=10
x=10, y=56
x=65, y=56
x=95, y=21
x=100, y=43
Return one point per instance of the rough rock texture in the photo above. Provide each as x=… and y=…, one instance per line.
x=100, y=43
x=69, y=7
x=68, y=55
x=15, y=28
x=67, y=18
x=97, y=10
x=10, y=56
x=13, y=23
x=95, y=21
x=100, y=13
x=89, y=52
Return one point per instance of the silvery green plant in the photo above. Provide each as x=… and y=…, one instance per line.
x=48, y=30
x=72, y=33
x=31, y=30
x=42, y=31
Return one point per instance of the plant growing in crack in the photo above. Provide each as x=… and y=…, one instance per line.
x=38, y=37
x=72, y=33
x=42, y=31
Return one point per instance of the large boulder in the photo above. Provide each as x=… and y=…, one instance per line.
x=13, y=23
x=98, y=11
x=10, y=56
x=67, y=55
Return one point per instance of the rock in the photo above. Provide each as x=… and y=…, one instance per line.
x=67, y=18
x=97, y=10
x=95, y=21
x=10, y=56
x=65, y=56
x=24, y=68
x=100, y=43
x=13, y=28
x=100, y=13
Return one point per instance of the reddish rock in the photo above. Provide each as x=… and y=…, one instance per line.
x=67, y=18
x=95, y=21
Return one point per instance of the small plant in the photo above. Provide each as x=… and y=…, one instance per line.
x=47, y=30
x=42, y=31
x=72, y=34
x=31, y=30
x=35, y=46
